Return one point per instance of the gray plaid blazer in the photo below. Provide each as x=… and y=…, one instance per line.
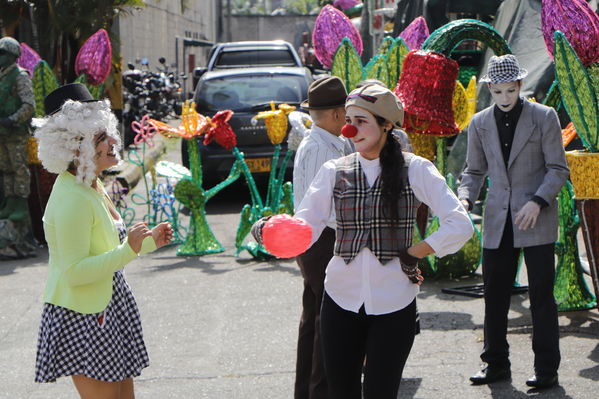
x=536, y=166
x=360, y=217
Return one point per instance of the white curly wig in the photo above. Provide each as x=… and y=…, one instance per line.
x=73, y=129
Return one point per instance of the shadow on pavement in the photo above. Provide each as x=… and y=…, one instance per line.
x=409, y=387
x=592, y=373
x=506, y=390
x=205, y=266
x=445, y=321
x=290, y=268
x=9, y=266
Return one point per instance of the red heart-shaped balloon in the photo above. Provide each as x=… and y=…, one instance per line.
x=349, y=131
x=285, y=236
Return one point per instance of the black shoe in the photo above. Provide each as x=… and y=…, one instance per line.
x=542, y=382
x=491, y=374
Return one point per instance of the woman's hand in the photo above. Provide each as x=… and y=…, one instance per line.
x=136, y=234
x=162, y=234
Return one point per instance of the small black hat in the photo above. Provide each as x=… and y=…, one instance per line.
x=73, y=91
x=326, y=93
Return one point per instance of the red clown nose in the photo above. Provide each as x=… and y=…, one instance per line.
x=349, y=131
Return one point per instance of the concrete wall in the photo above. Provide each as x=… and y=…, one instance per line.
x=261, y=27
x=150, y=31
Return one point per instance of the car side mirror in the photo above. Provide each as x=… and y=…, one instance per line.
x=198, y=72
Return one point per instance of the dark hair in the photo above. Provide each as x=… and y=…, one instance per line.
x=393, y=176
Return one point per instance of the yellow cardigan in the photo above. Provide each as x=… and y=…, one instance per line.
x=84, y=247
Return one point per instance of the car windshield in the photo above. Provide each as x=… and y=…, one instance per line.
x=237, y=58
x=246, y=92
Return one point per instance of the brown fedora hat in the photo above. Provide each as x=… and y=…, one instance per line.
x=326, y=93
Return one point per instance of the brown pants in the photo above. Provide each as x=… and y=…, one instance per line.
x=310, y=379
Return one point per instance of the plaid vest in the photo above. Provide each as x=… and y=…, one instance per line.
x=360, y=218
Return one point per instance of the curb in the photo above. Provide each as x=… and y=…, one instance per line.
x=131, y=173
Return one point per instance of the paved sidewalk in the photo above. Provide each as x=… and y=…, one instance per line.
x=225, y=327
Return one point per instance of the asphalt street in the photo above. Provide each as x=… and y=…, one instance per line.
x=221, y=326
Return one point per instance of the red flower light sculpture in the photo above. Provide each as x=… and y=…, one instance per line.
x=577, y=21
x=425, y=89
x=221, y=131
x=94, y=58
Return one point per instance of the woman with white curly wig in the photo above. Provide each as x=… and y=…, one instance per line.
x=90, y=328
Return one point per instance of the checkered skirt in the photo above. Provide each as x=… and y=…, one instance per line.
x=106, y=346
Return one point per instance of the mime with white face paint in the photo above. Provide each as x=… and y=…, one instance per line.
x=517, y=144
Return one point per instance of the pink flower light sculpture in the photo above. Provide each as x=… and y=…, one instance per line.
x=415, y=33
x=577, y=21
x=285, y=236
x=94, y=58
x=28, y=59
x=330, y=27
x=345, y=4
x=145, y=131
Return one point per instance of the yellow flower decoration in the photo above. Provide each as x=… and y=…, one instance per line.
x=460, y=106
x=32, y=158
x=424, y=145
x=464, y=103
x=471, y=96
x=584, y=172
x=192, y=123
x=276, y=121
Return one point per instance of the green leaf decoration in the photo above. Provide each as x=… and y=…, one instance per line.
x=553, y=98
x=462, y=263
x=576, y=88
x=347, y=64
x=593, y=71
x=570, y=289
x=286, y=205
x=395, y=58
x=386, y=45
x=244, y=227
x=43, y=83
x=95, y=91
x=172, y=170
x=190, y=194
x=450, y=35
x=377, y=69
x=427, y=268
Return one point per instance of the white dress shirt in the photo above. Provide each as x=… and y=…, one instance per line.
x=317, y=148
x=365, y=281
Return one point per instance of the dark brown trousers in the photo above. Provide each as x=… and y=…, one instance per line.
x=310, y=379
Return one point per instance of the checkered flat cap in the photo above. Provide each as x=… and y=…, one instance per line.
x=503, y=69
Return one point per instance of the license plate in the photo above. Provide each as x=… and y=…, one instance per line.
x=258, y=164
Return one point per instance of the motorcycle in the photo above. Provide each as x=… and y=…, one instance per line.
x=157, y=94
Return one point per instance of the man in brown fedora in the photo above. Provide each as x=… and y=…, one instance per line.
x=326, y=104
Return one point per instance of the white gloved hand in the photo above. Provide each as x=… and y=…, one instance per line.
x=527, y=216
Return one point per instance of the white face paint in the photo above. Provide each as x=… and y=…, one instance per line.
x=505, y=95
x=370, y=138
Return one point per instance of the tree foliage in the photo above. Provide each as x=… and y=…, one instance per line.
x=56, y=29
